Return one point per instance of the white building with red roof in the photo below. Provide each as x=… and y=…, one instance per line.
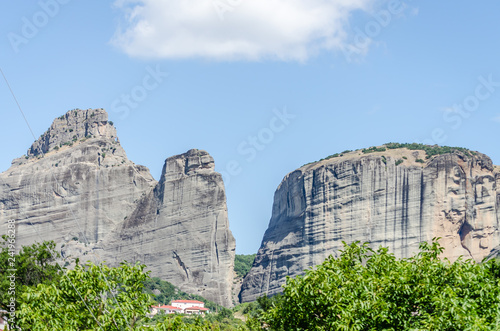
x=164, y=309
x=196, y=310
x=191, y=307
x=167, y=309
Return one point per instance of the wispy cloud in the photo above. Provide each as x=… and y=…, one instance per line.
x=496, y=119
x=234, y=29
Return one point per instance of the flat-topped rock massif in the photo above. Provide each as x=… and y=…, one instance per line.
x=77, y=187
x=389, y=197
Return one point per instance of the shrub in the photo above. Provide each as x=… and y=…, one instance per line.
x=431, y=150
x=365, y=289
x=373, y=150
x=331, y=156
x=243, y=263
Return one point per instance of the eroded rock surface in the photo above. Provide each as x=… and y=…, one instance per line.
x=181, y=229
x=77, y=187
x=371, y=199
x=75, y=182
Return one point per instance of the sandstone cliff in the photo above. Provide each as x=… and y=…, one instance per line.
x=391, y=198
x=77, y=187
x=75, y=182
x=181, y=230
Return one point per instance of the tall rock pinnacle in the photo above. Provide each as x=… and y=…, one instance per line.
x=75, y=182
x=77, y=187
x=181, y=230
x=73, y=126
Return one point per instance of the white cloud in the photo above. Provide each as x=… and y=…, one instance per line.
x=234, y=29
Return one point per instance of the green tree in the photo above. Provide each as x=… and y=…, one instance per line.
x=365, y=289
x=243, y=263
x=164, y=292
x=33, y=265
x=89, y=297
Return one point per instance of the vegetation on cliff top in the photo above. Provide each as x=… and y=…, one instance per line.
x=430, y=150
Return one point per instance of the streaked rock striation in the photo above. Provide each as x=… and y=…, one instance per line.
x=181, y=229
x=385, y=198
x=77, y=187
x=75, y=182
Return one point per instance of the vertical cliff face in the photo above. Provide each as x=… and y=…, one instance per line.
x=181, y=230
x=75, y=182
x=76, y=186
x=370, y=198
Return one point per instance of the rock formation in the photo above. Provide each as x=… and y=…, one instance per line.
x=77, y=187
x=181, y=230
x=75, y=182
x=390, y=198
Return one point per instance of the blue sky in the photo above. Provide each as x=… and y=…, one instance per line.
x=264, y=86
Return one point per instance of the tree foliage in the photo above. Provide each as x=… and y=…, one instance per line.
x=365, y=289
x=164, y=292
x=243, y=264
x=33, y=265
x=94, y=297
x=89, y=297
x=431, y=150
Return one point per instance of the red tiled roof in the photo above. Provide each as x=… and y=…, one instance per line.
x=197, y=308
x=170, y=307
x=187, y=301
x=166, y=307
